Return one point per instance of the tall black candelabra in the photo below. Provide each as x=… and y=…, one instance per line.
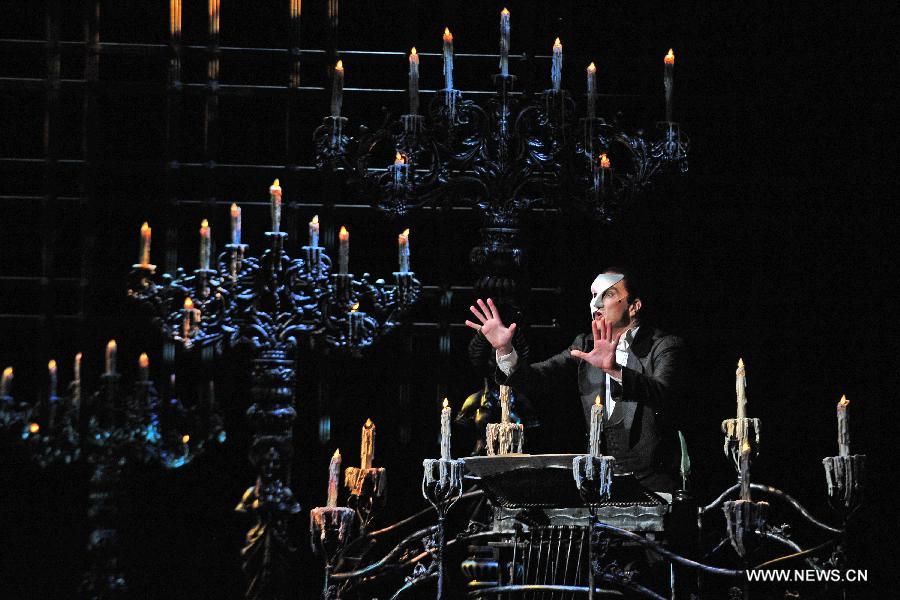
x=271, y=303
x=503, y=156
x=111, y=429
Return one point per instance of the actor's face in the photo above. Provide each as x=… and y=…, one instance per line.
x=614, y=305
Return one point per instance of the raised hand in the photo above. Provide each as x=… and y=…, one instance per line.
x=490, y=325
x=603, y=356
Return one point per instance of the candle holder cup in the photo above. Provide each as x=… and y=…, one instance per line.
x=845, y=477
x=672, y=148
x=331, y=143
x=505, y=438
x=450, y=99
x=368, y=492
x=318, y=264
x=330, y=528
x=745, y=523
x=736, y=431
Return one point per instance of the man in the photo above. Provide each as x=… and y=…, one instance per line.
x=635, y=369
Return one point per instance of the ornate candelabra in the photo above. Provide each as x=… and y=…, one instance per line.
x=743, y=516
x=442, y=487
x=502, y=156
x=270, y=303
x=114, y=428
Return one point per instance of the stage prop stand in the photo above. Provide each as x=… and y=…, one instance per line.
x=442, y=487
x=269, y=304
x=116, y=428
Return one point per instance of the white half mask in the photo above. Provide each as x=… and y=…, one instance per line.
x=603, y=282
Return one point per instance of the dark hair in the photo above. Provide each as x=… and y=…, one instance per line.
x=632, y=281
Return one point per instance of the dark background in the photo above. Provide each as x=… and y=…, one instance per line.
x=775, y=248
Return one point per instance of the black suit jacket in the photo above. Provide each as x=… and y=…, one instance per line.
x=640, y=432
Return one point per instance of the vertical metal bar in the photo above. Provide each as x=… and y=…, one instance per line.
x=172, y=165
x=51, y=174
x=211, y=110
x=571, y=535
x=292, y=113
x=558, y=552
x=86, y=206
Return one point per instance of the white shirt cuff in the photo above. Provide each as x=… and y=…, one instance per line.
x=507, y=362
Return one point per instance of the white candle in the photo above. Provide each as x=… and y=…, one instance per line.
x=413, y=82
x=556, y=66
x=445, y=430
x=187, y=323
x=275, y=204
x=205, y=244
x=144, y=367
x=504, y=42
x=367, y=446
x=111, y=357
x=52, y=373
x=843, y=419
x=448, y=59
x=6, y=381
x=591, y=90
x=146, y=232
x=403, y=248
x=337, y=89
x=235, y=224
x=669, y=81
x=741, y=389
x=344, y=251
x=504, y=404
x=314, y=232
x=76, y=388
x=596, y=430
x=334, y=470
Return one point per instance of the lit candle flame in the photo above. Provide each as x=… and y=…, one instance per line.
x=598, y=401
x=369, y=424
x=110, y=346
x=399, y=159
x=337, y=453
x=339, y=66
x=188, y=303
x=557, y=45
x=145, y=229
x=34, y=428
x=405, y=233
x=591, y=68
x=446, y=402
x=51, y=366
x=204, y=228
x=413, y=53
x=235, y=210
x=604, y=161
x=276, y=186
x=843, y=401
x=448, y=37
x=344, y=234
x=741, y=363
x=143, y=360
x=669, y=59
x=185, y=439
x=504, y=12
x=315, y=220
x=355, y=307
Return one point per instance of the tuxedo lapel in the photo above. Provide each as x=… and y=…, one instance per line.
x=638, y=349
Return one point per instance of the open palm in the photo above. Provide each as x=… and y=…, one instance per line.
x=491, y=326
x=603, y=356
